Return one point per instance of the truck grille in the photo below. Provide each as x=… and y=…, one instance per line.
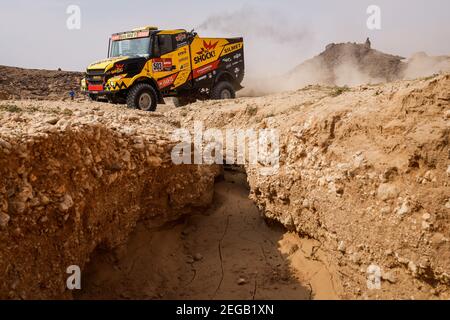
x=95, y=72
x=96, y=77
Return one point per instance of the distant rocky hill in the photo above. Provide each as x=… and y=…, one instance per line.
x=19, y=83
x=357, y=63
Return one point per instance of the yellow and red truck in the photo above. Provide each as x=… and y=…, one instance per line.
x=147, y=64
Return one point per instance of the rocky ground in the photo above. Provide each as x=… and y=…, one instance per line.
x=75, y=178
x=19, y=83
x=364, y=173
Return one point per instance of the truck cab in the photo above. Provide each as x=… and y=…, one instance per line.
x=146, y=64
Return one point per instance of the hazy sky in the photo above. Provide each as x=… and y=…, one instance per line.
x=278, y=34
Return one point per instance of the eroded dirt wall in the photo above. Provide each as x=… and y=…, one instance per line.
x=72, y=184
x=365, y=171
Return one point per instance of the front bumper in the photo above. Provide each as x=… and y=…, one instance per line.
x=100, y=86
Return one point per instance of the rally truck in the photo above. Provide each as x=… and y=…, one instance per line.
x=147, y=64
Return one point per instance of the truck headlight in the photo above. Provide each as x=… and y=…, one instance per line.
x=114, y=80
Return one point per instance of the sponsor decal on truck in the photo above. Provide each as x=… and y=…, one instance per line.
x=207, y=52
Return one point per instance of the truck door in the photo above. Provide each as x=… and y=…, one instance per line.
x=171, y=67
x=182, y=58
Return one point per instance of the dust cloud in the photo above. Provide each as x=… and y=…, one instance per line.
x=423, y=65
x=273, y=49
x=272, y=39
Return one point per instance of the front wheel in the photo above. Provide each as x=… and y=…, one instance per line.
x=223, y=90
x=142, y=96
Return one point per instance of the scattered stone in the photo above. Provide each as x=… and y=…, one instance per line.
x=387, y=191
x=426, y=216
x=401, y=259
x=154, y=161
x=120, y=252
x=293, y=249
x=190, y=260
x=385, y=210
x=66, y=204
x=241, y=281
x=4, y=205
x=26, y=193
x=52, y=121
x=389, y=277
x=198, y=257
x=305, y=204
x=356, y=258
x=405, y=208
x=44, y=200
x=7, y=145
x=115, y=166
x=412, y=267
x=438, y=238
x=429, y=176
x=4, y=219
x=341, y=247
x=447, y=205
x=388, y=174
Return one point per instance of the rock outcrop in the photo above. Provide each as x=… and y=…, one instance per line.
x=364, y=171
x=75, y=180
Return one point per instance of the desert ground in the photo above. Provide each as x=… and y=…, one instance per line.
x=363, y=184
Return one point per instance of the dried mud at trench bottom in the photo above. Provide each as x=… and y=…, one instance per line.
x=225, y=252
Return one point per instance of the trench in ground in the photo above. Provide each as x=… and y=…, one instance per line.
x=226, y=252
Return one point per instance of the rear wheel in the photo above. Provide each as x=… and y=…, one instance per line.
x=223, y=90
x=142, y=96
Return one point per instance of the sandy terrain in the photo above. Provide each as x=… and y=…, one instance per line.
x=226, y=252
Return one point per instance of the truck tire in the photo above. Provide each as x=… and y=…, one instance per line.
x=223, y=90
x=142, y=96
x=113, y=100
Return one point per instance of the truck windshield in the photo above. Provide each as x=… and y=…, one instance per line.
x=130, y=47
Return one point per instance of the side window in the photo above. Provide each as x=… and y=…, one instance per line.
x=165, y=44
x=181, y=39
